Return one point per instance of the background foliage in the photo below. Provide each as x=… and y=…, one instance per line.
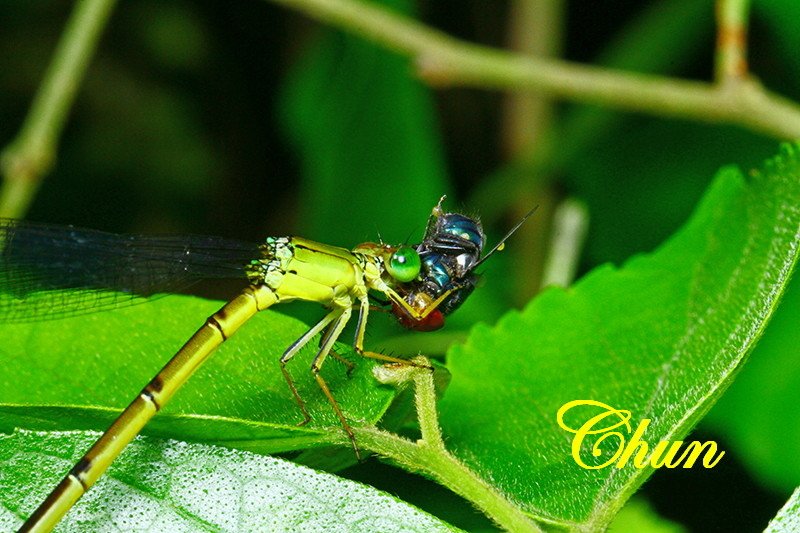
x=243, y=119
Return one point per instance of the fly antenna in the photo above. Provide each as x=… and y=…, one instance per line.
x=499, y=245
x=408, y=238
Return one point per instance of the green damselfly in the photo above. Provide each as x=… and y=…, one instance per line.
x=49, y=271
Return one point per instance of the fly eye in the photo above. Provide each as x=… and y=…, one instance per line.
x=404, y=264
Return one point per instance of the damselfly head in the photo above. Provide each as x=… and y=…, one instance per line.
x=400, y=263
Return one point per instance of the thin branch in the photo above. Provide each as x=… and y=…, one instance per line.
x=731, y=54
x=444, y=60
x=31, y=155
x=535, y=30
x=425, y=403
x=450, y=472
x=429, y=455
x=570, y=222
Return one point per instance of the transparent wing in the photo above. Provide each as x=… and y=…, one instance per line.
x=49, y=271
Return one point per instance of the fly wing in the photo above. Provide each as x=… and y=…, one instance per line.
x=49, y=271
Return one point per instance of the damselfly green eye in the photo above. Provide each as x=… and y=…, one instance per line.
x=404, y=264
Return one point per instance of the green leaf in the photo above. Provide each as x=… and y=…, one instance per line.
x=366, y=133
x=636, y=202
x=638, y=192
x=638, y=516
x=788, y=518
x=664, y=38
x=662, y=336
x=758, y=415
x=166, y=485
x=78, y=373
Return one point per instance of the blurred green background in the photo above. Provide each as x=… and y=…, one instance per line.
x=243, y=119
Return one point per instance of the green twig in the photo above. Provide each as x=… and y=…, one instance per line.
x=535, y=30
x=731, y=53
x=444, y=60
x=425, y=402
x=570, y=222
x=429, y=456
x=31, y=155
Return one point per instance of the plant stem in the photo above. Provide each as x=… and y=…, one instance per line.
x=429, y=456
x=731, y=54
x=570, y=222
x=535, y=30
x=427, y=414
x=444, y=60
x=31, y=154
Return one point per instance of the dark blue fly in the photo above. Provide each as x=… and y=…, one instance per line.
x=449, y=253
x=450, y=250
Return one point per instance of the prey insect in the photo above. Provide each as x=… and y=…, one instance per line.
x=50, y=271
